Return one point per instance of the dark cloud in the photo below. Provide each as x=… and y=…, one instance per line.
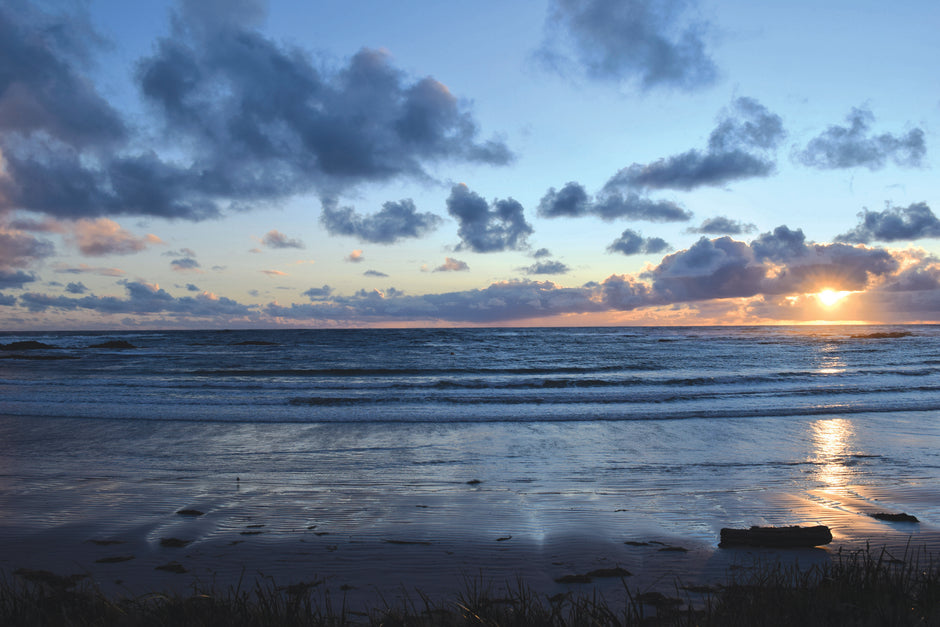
x=573, y=201
x=249, y=121
x=7, y=301
x=395, y=221
x=14, y=279
x=190, y=287
x=185, y=263
x=506, y=301
x=76, y=288
x=542, y=252
x=374, y=273
x=632, y=243
x=276, y=239
x=452, y=265
x=318, y=293
x=915, y=221
x=141, y=299
x=738, y=148
x=44, y=89
x=487, y=227
x=721, y=225
x=652, y=42
x=546, y=267
x=853, y=146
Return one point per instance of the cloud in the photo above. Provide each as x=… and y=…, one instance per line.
x=632, y=243
x=915, y=221
x=738, y=148
x=273, y=272
x=499, y=302
x=652, y=42
x=86, y=269
x=76, y=288
x=720, y=225
x=542, y=252
x=10, y=279
x=100, y=237
x=374, y=273
x=452, y=265
x=355, y=256
x=395, y=221
x=487, y=227
x=573, y=201
x=318, y=293
x=142, y=298
x=546, y=267
x=190, y=287
x=248, y=121
x=276, y=239
x=20, y=250
x=853, y=146
x=7, y=301
x=184, y=264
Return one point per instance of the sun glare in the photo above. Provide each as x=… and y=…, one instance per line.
x=830, y=297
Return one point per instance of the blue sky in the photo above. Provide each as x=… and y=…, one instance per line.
x=190, y=164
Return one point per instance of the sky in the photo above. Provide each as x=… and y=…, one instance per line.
x=250, y=164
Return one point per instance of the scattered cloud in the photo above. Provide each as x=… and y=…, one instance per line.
x=632, y=243
x=276, y=239
x=487, y=227
x=656, y=43
x=355, y=256
x=854, y=146
x=190, y=287
x=20, y=250
x=546, y=267
x=374, y=273
x=721, y=225
x=395, y=221
x=76, y=288
x=738, y=148
x=83, y=268
x=142, y=298
x=273, y=272
x=185, y=264
x=103, y=236
x=318, y=293
x=573, y=201
x=452, y=265
x=916, y=221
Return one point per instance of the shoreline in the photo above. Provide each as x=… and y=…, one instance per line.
x=364, y=571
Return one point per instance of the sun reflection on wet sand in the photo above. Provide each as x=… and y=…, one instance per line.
x=831, y=438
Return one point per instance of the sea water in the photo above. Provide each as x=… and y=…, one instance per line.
x=426, y=434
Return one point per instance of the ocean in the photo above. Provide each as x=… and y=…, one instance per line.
x=443, y=437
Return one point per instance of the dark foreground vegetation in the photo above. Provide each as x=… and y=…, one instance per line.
x=863, y=588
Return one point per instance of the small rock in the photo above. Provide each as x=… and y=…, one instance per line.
x=174, y=543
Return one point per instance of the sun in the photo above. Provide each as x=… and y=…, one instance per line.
x=830, y=297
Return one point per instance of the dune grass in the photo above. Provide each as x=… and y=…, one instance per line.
x=867, y=587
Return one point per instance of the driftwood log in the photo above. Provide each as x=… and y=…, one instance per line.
x=781, y=537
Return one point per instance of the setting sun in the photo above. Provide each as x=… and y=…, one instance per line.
x=830, y=297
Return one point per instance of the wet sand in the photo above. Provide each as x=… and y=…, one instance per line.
x=428, y=550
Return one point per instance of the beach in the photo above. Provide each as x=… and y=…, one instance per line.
x=373, y=465
x=369, y=536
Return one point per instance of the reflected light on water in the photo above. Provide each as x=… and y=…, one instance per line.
x=830, y=361
x=831, y=445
